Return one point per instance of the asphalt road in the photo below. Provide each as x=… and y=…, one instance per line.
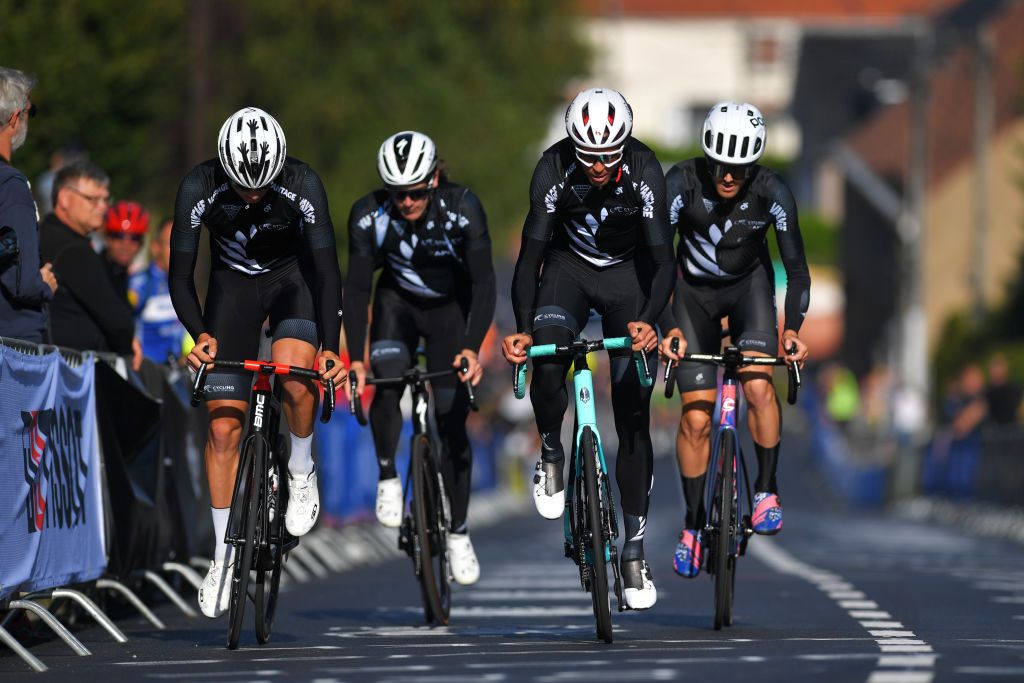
x=838, y=596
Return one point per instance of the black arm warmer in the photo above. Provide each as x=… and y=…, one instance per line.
x=356, y=302
x=328, y=296
x=481, y=307
x=662, y=282
x=524, y=281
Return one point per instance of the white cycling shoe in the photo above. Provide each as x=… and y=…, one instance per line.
x=549, y=489
x=462, y=559
x=303, y=504
x=215, y=593
x=639, y=592
x=389, y=502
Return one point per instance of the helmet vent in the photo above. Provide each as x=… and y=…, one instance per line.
x=719, y=143
x=732, y=145
x=744, y=146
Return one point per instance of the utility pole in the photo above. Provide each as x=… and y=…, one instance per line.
x=912, y=368
x=983, y=125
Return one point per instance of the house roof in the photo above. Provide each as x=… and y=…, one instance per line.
x=818, y=10
x=883, y=140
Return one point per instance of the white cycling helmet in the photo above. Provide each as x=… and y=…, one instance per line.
x=599, y=120
x=406, y=158
x=252, y=148
x=734, y=134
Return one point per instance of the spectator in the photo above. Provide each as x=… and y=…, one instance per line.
x=25, y=287
x=965, y=406
x=127, y=223
x=1003, y=394
x=87, y=313
x=156, y=324
x=68, y=153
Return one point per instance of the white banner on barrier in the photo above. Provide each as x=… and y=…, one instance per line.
x=51, y=509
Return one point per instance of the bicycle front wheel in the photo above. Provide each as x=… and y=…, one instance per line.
x=597, y=540
x=725, y=563
x=268, y=571
x=246, y=501
x=431, y=533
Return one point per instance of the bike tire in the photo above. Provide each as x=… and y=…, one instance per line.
x=430, y=536
x=251, y=464
x=596, y=527
x=724, y=562
x=268, y=573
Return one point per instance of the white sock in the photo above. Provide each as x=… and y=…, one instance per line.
x=221, y=550
x=300, y=463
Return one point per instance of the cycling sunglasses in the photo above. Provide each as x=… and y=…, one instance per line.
x=588, y=159
x=719, y=171
x=415, y=195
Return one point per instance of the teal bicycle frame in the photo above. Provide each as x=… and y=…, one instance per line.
x=586, y=419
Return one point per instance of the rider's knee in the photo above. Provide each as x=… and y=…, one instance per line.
x=225, y=435
x=695, y=425
x=760, y=394
x=298, y=391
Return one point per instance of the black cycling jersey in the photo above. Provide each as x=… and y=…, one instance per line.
x=443, y=256
x=723, y=241
x=290, y=224
x=600, y=226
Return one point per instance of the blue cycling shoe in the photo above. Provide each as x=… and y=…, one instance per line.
x=767, y=513
x=686, y=561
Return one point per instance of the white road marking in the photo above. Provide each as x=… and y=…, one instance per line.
x=855, y=602
x=907, y=660
x=881, y=624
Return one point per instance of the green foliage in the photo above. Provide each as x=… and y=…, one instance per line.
x=481, y=77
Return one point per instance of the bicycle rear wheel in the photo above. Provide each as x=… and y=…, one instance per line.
x=431, y=533
x=597, y=537
x=248, y=485
x=268, y=571
x=725, y=563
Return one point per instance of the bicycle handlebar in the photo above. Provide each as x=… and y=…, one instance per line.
x=582, y=346
x=268, y=368
x=733, y=358
x=411, y=376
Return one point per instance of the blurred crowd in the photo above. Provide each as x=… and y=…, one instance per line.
x=76, y=271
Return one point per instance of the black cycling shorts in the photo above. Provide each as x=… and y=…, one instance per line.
x=237, y=306
x=699, y=306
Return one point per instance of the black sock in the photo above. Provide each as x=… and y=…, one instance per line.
x=551, y=447
x=633, y=548
x=459, y=528
x=767, y=463
x=387, y=471
x=693, y=493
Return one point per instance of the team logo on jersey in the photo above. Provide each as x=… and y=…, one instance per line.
x=231, y=211
x=744, y=205
x=581, y=191
x=780, y=217
x=709, y=205
x=619, y=189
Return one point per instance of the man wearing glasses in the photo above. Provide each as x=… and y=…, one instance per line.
x=598, y=225
x=273, y=256
x=87, y=313
x=722, y=205
x=25, y=287
x=429, y=236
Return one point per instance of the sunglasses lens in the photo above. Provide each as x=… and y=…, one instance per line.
x=415, y=195
x=719, y=171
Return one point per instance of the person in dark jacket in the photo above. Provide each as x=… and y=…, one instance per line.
x=25, y=287
x=87, y=313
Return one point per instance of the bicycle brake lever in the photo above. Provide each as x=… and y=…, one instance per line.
x=197, y=386
x=328, y=406
x=519, y=380
x=464, y=368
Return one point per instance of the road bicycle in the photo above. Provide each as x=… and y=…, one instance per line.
x=727, y=523
x=589, y=522
x=423, y=534
x=256, y=522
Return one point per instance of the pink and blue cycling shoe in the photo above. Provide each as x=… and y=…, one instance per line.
x=686, y=561
x=767, y=513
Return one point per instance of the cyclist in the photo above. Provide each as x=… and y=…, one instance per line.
x=273, y=255
x=722, y=204
x=429, y=236
x=597, y=224
x=161, y=334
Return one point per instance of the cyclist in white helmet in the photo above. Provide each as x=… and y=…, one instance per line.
x=429, y=238
x=597, y=224
x=722, y=205
x=273, y=252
